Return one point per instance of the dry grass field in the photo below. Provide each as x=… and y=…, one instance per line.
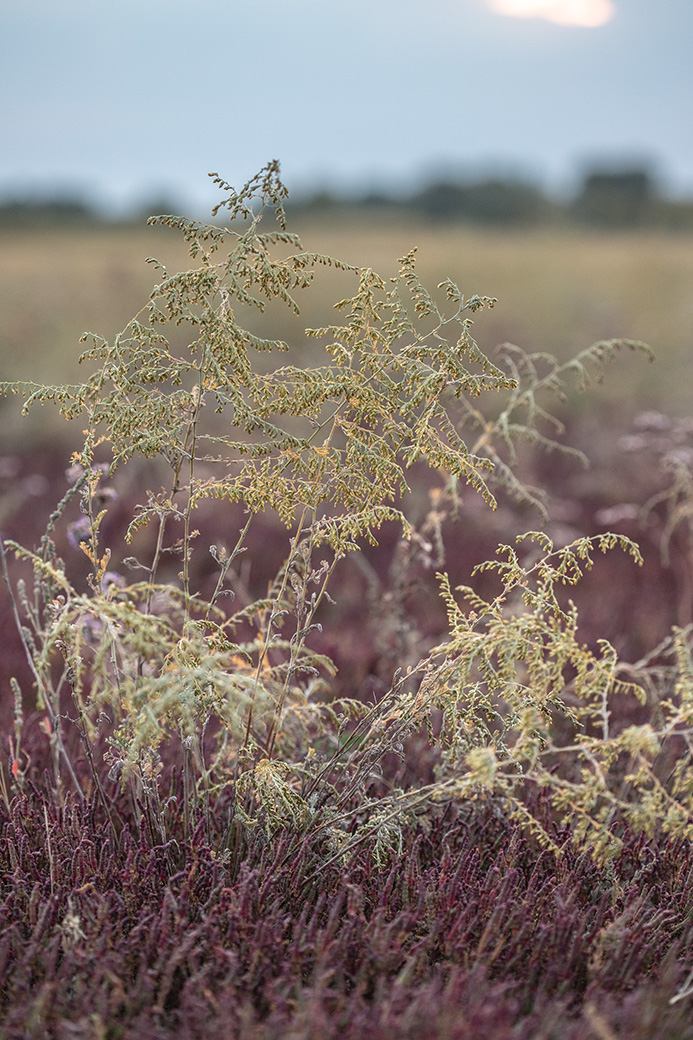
x=558, y=290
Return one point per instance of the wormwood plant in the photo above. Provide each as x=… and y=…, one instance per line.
x=330, y=448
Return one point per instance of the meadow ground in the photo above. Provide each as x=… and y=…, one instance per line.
x=558, y=290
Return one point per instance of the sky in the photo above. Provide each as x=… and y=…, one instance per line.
x=126, y=101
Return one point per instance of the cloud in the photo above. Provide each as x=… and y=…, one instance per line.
x=586, y=13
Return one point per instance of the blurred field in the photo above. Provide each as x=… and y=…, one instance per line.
x=558, y=290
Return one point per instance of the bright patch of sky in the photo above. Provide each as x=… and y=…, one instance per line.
x=588, y=14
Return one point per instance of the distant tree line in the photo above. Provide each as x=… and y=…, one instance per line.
x=628, y=198
x=607, y=198
x=27, y=212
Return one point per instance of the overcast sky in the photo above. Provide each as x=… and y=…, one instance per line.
x=130, y=99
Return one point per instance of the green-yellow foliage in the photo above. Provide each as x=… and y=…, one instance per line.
x=330, y=448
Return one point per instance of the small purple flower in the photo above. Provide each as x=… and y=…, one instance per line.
x=79, y=531
x=74, y=472
x=92, y=629
x=110, y=579
x=104, y=495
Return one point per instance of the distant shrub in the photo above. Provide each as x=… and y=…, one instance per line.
x=511, y=698
x=491, y=201
x=616, y=198
x=57, y=212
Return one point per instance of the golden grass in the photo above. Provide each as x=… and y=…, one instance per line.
x=558, y=290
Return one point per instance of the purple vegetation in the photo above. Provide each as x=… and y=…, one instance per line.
x=473, y=932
